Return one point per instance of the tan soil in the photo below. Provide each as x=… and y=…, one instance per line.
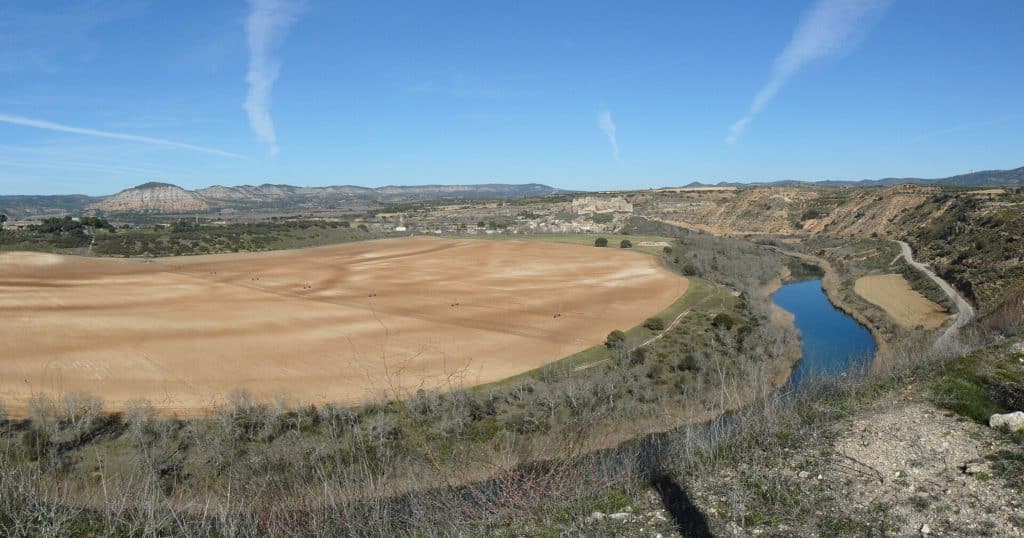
x=338, y=323
x=907, y=307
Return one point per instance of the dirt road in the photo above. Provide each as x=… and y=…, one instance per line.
x=964, y=310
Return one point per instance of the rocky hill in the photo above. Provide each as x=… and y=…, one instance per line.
x=808, y=209
x=166, y=198
x=156, y=197
x=152, y=197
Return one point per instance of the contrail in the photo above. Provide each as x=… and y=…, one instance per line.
x=266, y=26
x=605, y=123
x=51, y=126
x=830, y=28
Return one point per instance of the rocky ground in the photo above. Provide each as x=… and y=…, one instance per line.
x=903, y=467
x=929, y=470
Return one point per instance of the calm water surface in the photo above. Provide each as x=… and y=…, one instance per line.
x=832, y=341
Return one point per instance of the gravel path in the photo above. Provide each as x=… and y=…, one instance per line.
x=964, y=313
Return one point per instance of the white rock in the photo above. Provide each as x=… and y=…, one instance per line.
x=1011, y=421
x=978, y=467
x=596, y=516
x=925, y=529
x=620, y=516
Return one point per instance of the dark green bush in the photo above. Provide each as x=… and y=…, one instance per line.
x=615, y=339
x=723, y=321
x=655, y=324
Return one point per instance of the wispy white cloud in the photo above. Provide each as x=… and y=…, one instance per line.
x=607, y=126
x=265, y=28
x=51, y=126
x=829, y=28
x=966, y=127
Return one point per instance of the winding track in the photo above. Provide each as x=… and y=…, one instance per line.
x=964, y=310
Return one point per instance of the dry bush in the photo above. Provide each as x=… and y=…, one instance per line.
x=139, y=415
x=80, y=412
x=1009, y=316
x=42, y=412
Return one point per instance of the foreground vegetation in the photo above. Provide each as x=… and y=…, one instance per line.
x=257, y=468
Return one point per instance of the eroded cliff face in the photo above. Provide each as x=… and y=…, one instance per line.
x=970, y=236
x=155, y=199
x=790, y=210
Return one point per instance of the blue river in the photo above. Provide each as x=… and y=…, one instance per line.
x=832, y=342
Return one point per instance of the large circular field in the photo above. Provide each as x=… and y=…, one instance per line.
x=341, y=323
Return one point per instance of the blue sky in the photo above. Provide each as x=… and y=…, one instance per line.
x=98, y=96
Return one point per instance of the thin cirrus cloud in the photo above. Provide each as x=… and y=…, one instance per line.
x=266, y=27
x=829, y=28
x=966, y=127
x=51, y=126
x=607, y=126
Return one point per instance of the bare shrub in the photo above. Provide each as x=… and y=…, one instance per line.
x=42, y=412
x=80, y=411
x=139, y=415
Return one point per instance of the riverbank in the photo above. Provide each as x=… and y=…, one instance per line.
x=831, y=282
x=784, y=318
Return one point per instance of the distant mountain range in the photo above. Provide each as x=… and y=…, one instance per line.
x=985, y=178
x=165, y=198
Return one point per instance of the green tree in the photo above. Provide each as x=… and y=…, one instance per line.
x=655, y=324
x=615, y=340
x=3, y=219
x=723, y=321
x=600, y=242
x=812, y=213
x=626, y=243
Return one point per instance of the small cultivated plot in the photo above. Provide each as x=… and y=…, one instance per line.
x=908, y=308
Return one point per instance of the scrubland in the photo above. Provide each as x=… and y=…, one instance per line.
x=688, y=434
